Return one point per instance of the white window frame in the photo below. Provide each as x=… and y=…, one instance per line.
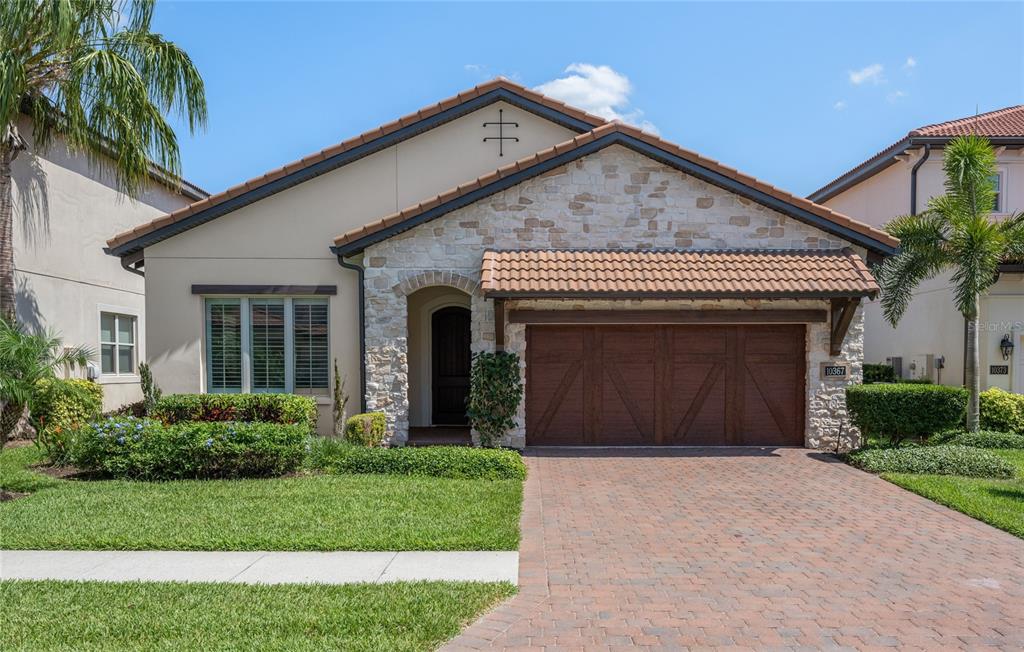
x=1000, y=207
x=245, y=308
x=136, y=345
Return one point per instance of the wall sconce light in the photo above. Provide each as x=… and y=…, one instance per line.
x=1006, y=346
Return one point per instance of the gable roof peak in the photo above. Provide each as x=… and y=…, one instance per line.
x=609, y=133
x=132, y=242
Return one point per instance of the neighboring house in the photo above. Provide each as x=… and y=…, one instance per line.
x=654, y=296
x=930, y=340
x=64, y=209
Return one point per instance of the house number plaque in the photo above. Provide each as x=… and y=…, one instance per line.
x=834, y=371
x=999, y=369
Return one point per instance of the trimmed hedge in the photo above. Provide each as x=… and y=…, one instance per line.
x=987, y=439
x=1003, y=411
x=937, y=460
x=60, y=407
x=145, y=449
x=902, y=410
x=271, y=408
x=457, y=462
x=879, y=373
x=367, y=429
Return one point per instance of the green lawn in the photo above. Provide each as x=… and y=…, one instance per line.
x=172, y=616
x=997, y=502
x=319, y=512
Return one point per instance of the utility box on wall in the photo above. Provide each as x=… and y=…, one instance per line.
x=920, y=366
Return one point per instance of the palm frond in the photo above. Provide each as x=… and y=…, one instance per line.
x=93, y=72
x=1013, y=232
x=899, y=275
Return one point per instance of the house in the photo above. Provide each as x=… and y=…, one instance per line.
x=64, y=209
x=929, y=342
x=653, y=296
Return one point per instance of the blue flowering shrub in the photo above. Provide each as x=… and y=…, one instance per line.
x=146, y=449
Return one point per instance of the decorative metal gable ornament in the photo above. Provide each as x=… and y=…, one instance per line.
x=501, y=137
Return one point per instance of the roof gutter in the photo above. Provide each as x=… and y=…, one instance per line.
x=130, y=262
x=361, y=273
x=886, y=157
x=913, y=178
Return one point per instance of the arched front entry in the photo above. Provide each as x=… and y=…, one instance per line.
x=450, y=364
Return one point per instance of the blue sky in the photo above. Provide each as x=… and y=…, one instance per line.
x=793, y=93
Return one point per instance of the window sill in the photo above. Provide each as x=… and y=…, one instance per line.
x=116, y=379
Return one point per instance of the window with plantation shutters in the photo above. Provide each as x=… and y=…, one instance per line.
x=266, y=340
x=224, y=345
x=260, y=344
x=311, y=352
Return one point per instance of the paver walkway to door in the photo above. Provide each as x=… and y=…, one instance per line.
x=755, y=549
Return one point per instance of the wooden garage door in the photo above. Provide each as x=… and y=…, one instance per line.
x=717, y=385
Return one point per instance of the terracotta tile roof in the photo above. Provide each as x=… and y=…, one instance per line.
x=718, y=273
x=317, y=157
x=610, y=128
x=1006, y=124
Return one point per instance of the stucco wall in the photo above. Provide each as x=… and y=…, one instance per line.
x=932, y=325
x=613, y=198
x=64, y=210
x=285, y=238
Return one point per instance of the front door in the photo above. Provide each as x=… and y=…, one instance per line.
x=450, y=363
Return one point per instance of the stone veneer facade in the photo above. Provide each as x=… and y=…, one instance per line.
x=612, y=199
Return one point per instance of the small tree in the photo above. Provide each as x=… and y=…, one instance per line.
x=25, y=359
x=494, y=395
x=957, y=234
x=340, y=401
x=151, y=392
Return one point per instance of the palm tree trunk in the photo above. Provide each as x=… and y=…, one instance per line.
x=973, y=376
x=6, y=236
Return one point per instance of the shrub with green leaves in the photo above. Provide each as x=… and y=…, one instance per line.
x=900, y=411
x=879, y=373
x=271, y=408
x=60, y=407
x=367, y=429
x=460, y=462
x=1001, y=410
x=495, y=391
x=936, y=460
x=151, y=392
x=985, y=439
x=146, y=449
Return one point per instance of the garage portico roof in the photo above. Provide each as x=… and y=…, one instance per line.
x=675, y=274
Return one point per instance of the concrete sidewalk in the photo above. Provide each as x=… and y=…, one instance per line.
x=258, y=567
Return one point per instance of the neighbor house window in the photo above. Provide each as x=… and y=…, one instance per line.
x=267, y=345
x=117, y=343
x=997, y=185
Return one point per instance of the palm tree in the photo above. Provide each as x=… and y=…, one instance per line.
x=91, y=72
x=956, y=234
x=25, y=359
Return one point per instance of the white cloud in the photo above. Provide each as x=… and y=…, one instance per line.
x=601, y=90
x=475, y=68
x=872, y=74
x=910, y=64
x=840, y=105
x=895, y=96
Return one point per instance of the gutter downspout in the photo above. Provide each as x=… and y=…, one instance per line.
x=362, y=328
x=128, y=261
x=913, y=178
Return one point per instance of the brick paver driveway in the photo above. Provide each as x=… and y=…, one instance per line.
x=778, y=549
